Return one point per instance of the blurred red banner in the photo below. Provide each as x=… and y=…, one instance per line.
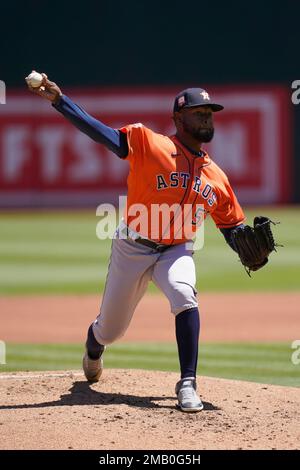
x=45, y=161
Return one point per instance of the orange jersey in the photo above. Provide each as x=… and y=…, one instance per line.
x=164, y=175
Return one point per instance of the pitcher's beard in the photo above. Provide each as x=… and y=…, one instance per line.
x=201, y=135
x=205, y=135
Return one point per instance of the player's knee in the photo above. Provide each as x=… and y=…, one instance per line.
x=185, y=297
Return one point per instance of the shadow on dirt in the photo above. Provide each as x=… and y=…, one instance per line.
x=81, y=393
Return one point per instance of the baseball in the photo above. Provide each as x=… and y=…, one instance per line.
x=34, y=79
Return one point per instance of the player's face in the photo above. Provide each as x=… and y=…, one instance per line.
x=198, y=123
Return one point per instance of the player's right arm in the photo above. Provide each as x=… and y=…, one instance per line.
x=113, y=139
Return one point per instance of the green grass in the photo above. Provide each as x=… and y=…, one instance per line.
x=58, y=252
x=265, y=363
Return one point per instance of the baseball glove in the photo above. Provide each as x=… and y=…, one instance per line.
x=254, y=244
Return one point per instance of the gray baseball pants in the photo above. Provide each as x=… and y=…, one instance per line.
x=131, y=268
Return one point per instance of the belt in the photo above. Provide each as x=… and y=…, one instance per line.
x=155, y=246
x=143, y=241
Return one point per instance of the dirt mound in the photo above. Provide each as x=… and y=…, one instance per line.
x=135, y=409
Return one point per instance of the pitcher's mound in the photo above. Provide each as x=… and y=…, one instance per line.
x=135, y=409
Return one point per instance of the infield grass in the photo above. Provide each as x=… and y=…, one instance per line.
x=58, y=252
x=264, y=363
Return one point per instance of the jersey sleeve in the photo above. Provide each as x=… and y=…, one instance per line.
x=135, y=139
x=113, y=139
x=228, y=212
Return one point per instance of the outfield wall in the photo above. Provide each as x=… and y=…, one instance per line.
x=46, y=162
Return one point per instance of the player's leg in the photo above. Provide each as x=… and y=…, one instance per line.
x=129, y=272
x=92, y=362
x=174, y=273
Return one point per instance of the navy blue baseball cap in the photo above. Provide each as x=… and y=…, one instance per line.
x=192, y=97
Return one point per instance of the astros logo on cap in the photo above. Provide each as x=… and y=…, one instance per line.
x=205, y=95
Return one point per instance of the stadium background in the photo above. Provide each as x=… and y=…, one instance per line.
x=103, y=49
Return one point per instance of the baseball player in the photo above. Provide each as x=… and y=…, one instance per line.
x=173, y=170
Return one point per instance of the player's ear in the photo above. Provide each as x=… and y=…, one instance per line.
x=177, y=118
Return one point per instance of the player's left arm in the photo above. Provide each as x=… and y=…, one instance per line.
x=228, y=214
x=252, y=244
x=227, y=232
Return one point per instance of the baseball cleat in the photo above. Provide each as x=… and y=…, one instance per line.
x=188, y=400
x=92, y=368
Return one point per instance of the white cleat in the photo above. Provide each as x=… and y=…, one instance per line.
x=92, y=368
x=188, y=400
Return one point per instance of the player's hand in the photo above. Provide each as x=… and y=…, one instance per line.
x=48, y=90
